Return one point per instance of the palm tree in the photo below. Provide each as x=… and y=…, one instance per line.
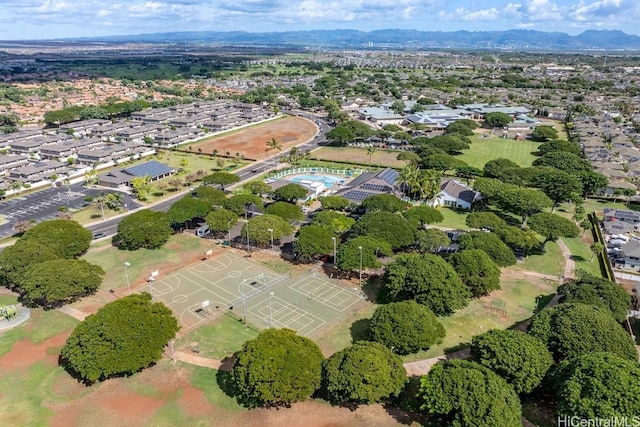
x=408, y=177
x=370, y=151
x=273, y=144
x=428, y=185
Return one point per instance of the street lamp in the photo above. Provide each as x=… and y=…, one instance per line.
x=244, y=312
x=270, y=311
x=126, y=273
x=229, y=227
x=360, y=249
x=335, y=257
x=270, y=230
x=248, y=241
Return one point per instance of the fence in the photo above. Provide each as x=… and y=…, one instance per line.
x=316, y=169
x=603, y=259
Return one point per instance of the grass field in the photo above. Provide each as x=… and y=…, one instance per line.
x=453, y=219
x=581, y=253
x=380, y=158
x=483, y=150
x=218, y=340
x=517, y=296
x=550, y=261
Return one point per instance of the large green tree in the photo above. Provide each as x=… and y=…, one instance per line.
x=313, y=241
x=277, y=368
x=558, y=185
x=565, y=161
x=258, y=229
x=519, y=358
x=366, y=372
x=221, y=178
x=349, y=253
x=544, y=133
x=405, y=327
x=497, y=119
x=220, y=221
x=240, y=203
x=429, y=280
x=487, y=220
x=391, y=228
x=290, y=192
x=476, y=270
x=552, y=226
x=144, y=229
x=422, y=215
x=559, y=145
x=598, y=386
x=187, y=209
x=285, y=210
x=384, y=203
x=67, y=238
x=466, y=394
x=574, y=329
x=60, y=281
x=213, y=196
x=591, y=182
x=18, y=259
x=597, y=291
x=431, y=239
x=335, y=222
x=121, y=338
x=334, y=203
x=498, y=168
x=489, y=243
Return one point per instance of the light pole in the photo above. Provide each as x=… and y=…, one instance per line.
x=335, y=257
x=270, y=311
x=244, y=312
x=229, y=236
x=126, y=273
x=360, y=249
x=270, y=230
x=248, y=244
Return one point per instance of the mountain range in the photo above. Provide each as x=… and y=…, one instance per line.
x=400, y=39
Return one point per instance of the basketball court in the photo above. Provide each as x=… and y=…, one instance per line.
x=229, y=281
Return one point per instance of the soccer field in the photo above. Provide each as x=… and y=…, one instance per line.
x=483, y=150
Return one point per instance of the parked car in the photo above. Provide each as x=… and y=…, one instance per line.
x=98, y=235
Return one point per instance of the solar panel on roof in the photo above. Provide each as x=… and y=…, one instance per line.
x=374, y=187
x=152, y=169
x=389, y=175
x=357, y=195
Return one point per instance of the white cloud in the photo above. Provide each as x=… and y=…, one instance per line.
x=482, y=15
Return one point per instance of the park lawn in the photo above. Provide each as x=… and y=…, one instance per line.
x=517, y=296
x=218, y=340
x=581, y=254
x=8, y=299
x=344, y=332
x=483, y=150
x=550, y=261
x=380, y=158
x=453, y=219
x=180, y=249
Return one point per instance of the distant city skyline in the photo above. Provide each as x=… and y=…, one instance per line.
x=53, y=19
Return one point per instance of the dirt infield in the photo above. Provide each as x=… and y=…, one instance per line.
x=251, y=142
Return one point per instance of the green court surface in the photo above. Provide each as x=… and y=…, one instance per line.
x=229, y=281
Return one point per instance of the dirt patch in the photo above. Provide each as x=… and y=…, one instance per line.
x=358, y=155
x=251, y=142
x=25, y=353
x=194, y=402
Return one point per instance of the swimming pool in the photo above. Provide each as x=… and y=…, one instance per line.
x=328, y=180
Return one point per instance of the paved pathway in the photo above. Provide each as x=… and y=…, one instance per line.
x=73, y=312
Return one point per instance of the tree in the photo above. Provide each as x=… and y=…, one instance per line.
x=334, y=222
x=290, y=192
x=429, y=280
x=599, y=292
x=371, y=150
x=222, y=179
x=597, y=248
x=257, y=187
x=458, y=127
x=573, y=329
x=559, y=186
x=411, y=157
x=16, y=260
x=66, y=238
x=422, y=215
x=397, y=107
x=221, y=220
x=277, y=368
x=349, y=253
x=122, y=338
x=213, y=196
x=450, y=144
x=258, y=229
x=515, y=237
x=23, y=226
x=383, y=203
x=552, y=226
x=498, y=168
x=564, y=161
x=285, y=210
x=544, y=133
x=391, y=228
x=144, y=229
x=334, y=203
x=468, y=172
x=366, y=372
x=559, y=145
x=519, y=358
x=272, y=145
x=188, y=209
x=57, y=282
x=427, y=184
x=598, y=386
x=524, y=201
x=239, y=204
x=311, y=242
x=497, y=119
x=591, y=182
x=463, y=393
x=441, y=162
x=431, y=239
x=486, y=220
x=489, y=243
x=140, y=187
x=476, y=270
x=405, y=327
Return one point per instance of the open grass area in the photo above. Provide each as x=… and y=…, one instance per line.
x=483, y=150
x=380, y=158
x=453, y=219
x=581, y=253
x=517, y=297
x=343, y=333
x=218, y=340
x=548, y=261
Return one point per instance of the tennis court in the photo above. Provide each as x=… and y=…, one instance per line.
x=229, y=281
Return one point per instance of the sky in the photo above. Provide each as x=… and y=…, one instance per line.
x=53, y=19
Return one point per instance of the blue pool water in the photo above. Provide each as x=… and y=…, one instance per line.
x=328, y=180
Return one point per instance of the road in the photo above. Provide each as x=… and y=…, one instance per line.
x=110, y=226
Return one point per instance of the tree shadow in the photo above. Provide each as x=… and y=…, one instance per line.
x=578, y=258
x=405, y=408
x=360, y=330
x=225, y=381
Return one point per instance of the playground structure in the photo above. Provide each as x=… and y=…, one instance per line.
x=9, y=312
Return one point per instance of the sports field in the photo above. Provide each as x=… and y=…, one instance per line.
x=229, y=281
x=483, y=150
